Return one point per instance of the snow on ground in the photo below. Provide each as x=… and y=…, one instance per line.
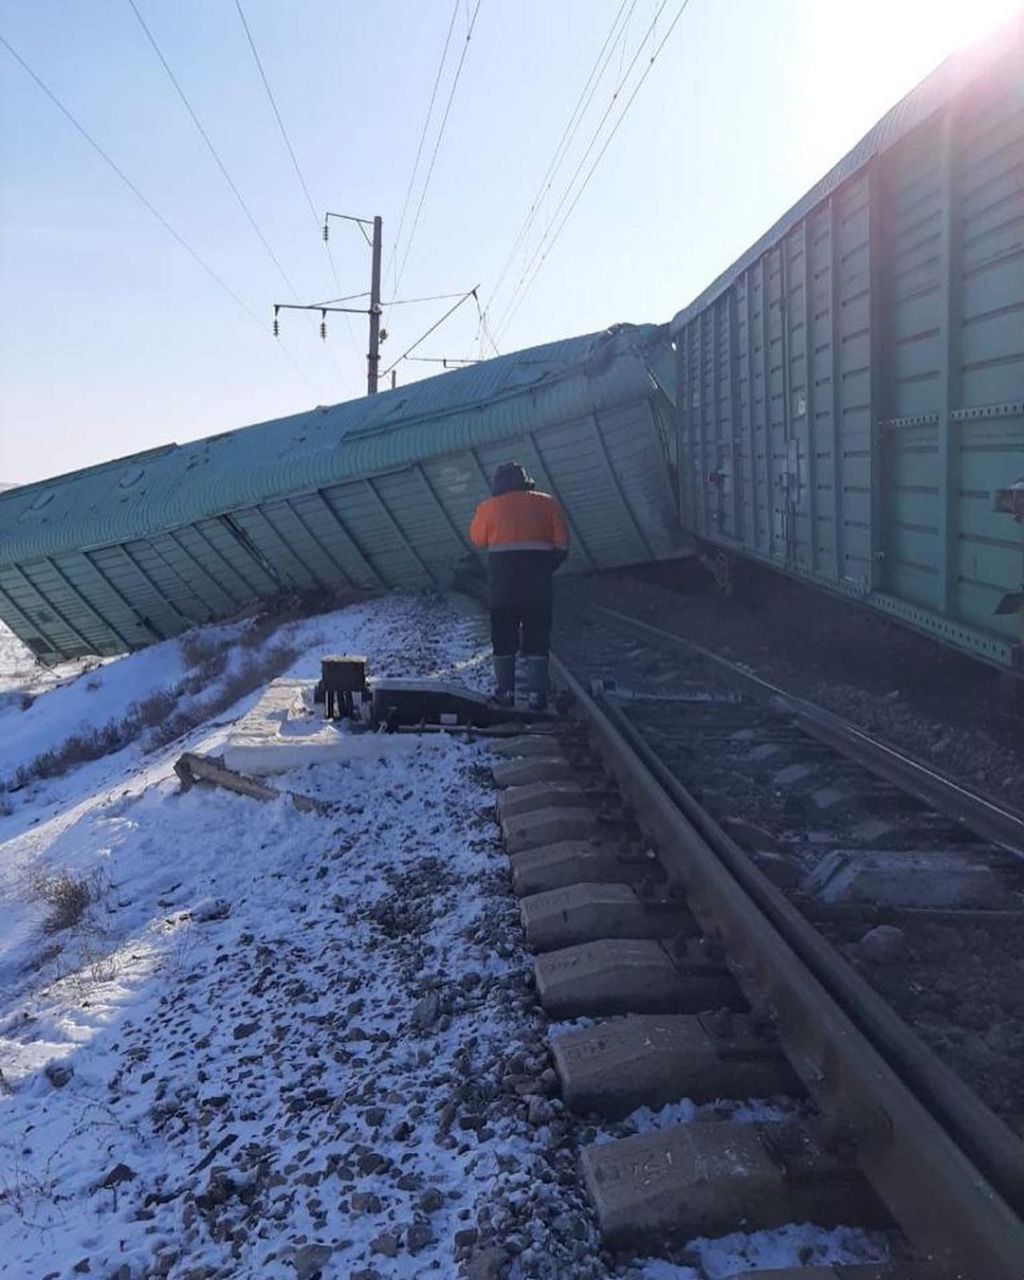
x=21, y=674
x=279, y=1043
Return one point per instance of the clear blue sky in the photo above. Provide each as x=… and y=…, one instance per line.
x=113, y=338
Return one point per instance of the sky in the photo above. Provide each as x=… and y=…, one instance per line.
x=115, y=339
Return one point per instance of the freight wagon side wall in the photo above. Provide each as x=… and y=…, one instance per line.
x=850, y=402
x=404, y=527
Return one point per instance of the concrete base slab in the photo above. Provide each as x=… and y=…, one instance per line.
x=939, y=880
x=540, y=795
x=548, y=826
x=553, y=866
x=616, y=1066
x=285, y=730
x=524, y=745
x=518, y=773
x=587, y=912
x=619, y=975
x=701, y=1179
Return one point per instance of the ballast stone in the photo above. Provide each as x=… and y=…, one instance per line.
x=586, y=912
x=939, y=880
x=700, y=1179
x=552, y=866
x=650, y=1060
x=618, y=975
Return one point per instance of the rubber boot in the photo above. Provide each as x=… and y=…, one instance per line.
x=505, y=679
x=538, y=672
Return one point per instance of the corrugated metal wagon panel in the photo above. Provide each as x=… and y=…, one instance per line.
x=871, y=429
x=373, y=494
x=125, y=576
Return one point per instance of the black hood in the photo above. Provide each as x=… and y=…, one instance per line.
x=510, y=477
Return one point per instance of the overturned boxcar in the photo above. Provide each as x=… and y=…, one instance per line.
x=373, y=493
x=850, y=393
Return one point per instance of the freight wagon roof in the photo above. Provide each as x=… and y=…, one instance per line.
x=945, y=83
x=176, y=484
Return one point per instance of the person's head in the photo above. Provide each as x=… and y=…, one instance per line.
x=510, y=477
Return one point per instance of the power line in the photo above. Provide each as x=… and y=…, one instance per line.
x=565, y=142
x=600, y=155
x=152, y=209
x=436, y=297
x=423, y=138
x=277, y=115
x=437, y=143
x=483, y=329
x=212, y=149
x=540, y=253
x=436, y=325
x=513, y=302
x=294, y=158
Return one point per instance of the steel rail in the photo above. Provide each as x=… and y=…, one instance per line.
x=995, y=821
x=956, y=1197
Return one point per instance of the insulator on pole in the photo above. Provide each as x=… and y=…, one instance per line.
x=326, y=231
x=277, y=330
x=323, y=325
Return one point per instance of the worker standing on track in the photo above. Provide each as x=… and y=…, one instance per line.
x=526, y=539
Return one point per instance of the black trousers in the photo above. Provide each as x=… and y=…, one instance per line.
x=526, y=627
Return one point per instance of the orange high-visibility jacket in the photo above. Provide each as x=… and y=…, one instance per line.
x=519, y=521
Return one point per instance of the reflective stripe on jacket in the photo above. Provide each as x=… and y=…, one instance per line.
x=519, y=521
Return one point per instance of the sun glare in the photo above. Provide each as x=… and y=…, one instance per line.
x=864, y=57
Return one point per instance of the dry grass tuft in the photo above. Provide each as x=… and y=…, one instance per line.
x=155, y=709
x=68, y=896
x=206, y=657
x=198, y=648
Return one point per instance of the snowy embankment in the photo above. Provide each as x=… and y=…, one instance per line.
x=239, y=1040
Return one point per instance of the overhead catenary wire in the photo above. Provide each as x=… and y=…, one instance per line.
x=436, y=325
x=294, y=158
x=572, y=126
x=483, y=329
x=419, y=150
x=277, y=114
x=437, y=144
x=539, y=249
x=436, y=297
x=212, y=149
x=540, y=258
x=152, y=209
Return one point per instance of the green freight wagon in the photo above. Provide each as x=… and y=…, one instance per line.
x=850, y=393
x=371, y=494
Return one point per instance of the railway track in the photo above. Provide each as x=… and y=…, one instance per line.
x=808, y=925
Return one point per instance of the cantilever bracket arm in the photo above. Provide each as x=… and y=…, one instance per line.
x=313, y=306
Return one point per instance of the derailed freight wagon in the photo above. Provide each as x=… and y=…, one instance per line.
x=850, y=393
x=374, y=493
